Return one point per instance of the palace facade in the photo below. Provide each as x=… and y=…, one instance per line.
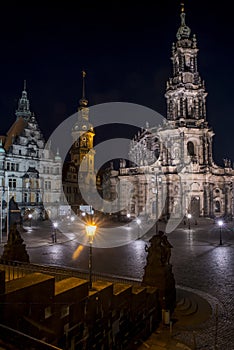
x=29, y=171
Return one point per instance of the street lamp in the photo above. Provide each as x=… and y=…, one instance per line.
x=220, y=223
x=157, y=180
x=138, y=221
x=90, y=231
x=55, y=224
x=189, y=218
x=30, y=218
x=1, y=217
x=128, y=216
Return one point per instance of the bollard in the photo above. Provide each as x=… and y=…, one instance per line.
x=167, y=317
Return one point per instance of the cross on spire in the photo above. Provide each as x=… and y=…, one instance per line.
x=83, y=100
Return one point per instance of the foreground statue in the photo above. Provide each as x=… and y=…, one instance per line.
x=15, y=250
x=158, y=270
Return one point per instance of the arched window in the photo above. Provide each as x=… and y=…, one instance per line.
x=217, y=207
x=190, y=148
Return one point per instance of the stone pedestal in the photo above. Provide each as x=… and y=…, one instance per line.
x=15, y=250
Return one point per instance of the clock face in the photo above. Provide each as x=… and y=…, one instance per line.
x=84, y=127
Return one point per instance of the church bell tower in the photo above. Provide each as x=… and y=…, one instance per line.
x=82, y=152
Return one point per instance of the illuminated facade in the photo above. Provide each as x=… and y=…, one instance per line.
x=28, y=171
x=176, y=173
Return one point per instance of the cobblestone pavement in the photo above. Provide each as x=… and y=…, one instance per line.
x=203, y=266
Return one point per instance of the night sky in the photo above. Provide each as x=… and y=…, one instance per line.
x=125, y=49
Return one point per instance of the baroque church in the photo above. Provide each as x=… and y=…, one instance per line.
x=176, y=173
x=29, y=171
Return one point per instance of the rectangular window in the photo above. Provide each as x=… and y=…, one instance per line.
x=12, y=183
x=25, y=197
x=47, y=185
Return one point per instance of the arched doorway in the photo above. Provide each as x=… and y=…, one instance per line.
x=195, y=206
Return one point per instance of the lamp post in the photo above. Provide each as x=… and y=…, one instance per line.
x=90, y=231
x=189, y=218
x=30, y=219
x=138, y=224
x=8, y=212
x=220, y=223
x=55, y=224
x=156, y=180
x=128, y=216
x=1, y=217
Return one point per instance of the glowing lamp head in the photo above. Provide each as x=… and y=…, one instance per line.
x=138, y=221
x=72, y=218
x=55, y=224
x=220, y=223
x=128, y=215
x=90, y=231
x=30, y=216
x=189, y=216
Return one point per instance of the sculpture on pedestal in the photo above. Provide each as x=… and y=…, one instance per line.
x=15, y=250
x=158, y=270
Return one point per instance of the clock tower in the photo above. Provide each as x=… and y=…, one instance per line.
x=82, y=152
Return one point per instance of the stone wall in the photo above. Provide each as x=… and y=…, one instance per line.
x=68, y=315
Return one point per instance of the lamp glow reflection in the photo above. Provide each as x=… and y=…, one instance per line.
x=138, y=221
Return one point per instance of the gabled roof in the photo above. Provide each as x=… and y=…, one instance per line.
x=15, y=130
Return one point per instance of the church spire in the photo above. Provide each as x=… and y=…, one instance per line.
x=83, y=101
x=183, y=31
x=23, y=105
x=185, y=91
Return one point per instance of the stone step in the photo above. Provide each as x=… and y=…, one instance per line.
x=185, y=305
x=192, y=309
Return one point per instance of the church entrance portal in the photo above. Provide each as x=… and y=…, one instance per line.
x=195, y=206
